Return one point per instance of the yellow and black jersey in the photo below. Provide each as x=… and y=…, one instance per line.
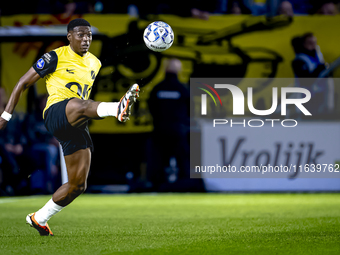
x=67, y=74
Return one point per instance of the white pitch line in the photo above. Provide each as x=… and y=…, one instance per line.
x=6, y=201
x=15, y=199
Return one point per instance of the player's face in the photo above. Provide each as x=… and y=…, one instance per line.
x=80, y=39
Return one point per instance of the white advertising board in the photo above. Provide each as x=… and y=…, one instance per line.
x=271, y=158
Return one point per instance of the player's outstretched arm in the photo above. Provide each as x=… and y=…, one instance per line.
x=27, y=80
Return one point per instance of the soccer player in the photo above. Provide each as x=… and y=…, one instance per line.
x=70, y=72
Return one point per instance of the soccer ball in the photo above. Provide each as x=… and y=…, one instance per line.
x=158, y=36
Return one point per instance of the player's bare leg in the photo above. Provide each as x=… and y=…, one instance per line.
x=79, y=111
x=78, y=167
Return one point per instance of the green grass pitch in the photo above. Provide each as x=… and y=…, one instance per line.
x=177, y=224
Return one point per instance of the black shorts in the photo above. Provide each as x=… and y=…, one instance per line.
x=71, y=138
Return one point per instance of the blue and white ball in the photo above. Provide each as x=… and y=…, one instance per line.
x=158, y=36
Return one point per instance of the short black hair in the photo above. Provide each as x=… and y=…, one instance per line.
x=77, y=22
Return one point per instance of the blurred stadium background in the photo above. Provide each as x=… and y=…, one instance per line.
x=148, y=156
x=242, y=39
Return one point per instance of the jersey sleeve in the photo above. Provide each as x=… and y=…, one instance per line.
x=46, y=64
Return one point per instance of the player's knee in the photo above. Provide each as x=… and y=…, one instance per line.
x=79, y=106
x=82, y=107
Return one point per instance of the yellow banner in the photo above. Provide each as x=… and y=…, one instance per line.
x=224, y=46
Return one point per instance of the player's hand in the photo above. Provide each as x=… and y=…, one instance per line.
x=3, y=123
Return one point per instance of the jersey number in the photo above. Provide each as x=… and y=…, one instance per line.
x=82, y=93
